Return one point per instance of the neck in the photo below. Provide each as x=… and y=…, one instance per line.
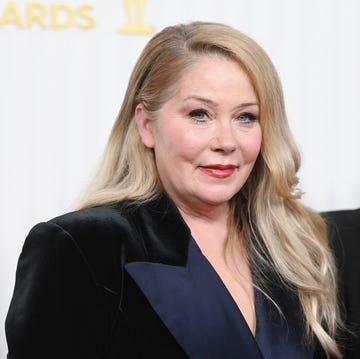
x=204, y=213
x=209, y=228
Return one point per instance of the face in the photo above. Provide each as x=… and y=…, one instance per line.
x=207, y=137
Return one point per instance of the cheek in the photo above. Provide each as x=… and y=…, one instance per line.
x=251, y=147
x=183, y=144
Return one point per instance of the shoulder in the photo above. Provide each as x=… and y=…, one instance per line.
x=96, y=219
x=98, y=231
x=68, y=285
x=87, y=240
x=96, y=234
x=91, y=241
x=105, y=236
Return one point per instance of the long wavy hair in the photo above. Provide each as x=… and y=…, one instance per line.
x=283, y=235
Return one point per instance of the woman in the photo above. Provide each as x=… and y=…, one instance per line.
x=191, y=240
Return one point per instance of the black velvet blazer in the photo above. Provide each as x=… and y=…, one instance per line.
x=73, y=297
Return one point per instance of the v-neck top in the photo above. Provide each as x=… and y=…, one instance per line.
x=201, y=314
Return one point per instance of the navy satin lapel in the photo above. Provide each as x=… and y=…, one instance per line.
x=196, y=307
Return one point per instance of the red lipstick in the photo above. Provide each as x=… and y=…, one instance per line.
x=218, y=170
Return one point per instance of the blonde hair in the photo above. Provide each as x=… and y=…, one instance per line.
x=283, y=235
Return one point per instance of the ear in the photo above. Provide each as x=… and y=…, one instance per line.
x=144, y=126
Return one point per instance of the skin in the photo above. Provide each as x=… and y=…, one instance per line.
x=206, y=139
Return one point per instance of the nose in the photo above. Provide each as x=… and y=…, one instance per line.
x=224, y=139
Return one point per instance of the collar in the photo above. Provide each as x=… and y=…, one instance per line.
x=161, y=229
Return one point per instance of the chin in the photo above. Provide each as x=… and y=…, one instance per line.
x=216, y=198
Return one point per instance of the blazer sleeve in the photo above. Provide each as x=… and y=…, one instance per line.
x=58, y=310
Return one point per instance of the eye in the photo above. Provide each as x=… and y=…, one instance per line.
x=199, y=115
x=246, y=117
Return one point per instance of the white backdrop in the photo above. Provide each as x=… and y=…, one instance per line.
x=64, y=68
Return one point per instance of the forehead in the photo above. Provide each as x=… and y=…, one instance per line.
x=213, y=75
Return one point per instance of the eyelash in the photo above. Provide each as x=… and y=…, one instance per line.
x=198, y=112
x=193, y=115
x=250, y=117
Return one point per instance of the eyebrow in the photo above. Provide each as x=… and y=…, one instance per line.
x=214, y=104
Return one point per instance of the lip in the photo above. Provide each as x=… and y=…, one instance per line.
x=218, y=170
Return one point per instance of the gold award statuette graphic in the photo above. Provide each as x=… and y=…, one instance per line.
x=134, y=18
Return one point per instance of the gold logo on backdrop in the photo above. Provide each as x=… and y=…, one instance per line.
x=56, y=15
x=61, y=15
x=134, y=18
